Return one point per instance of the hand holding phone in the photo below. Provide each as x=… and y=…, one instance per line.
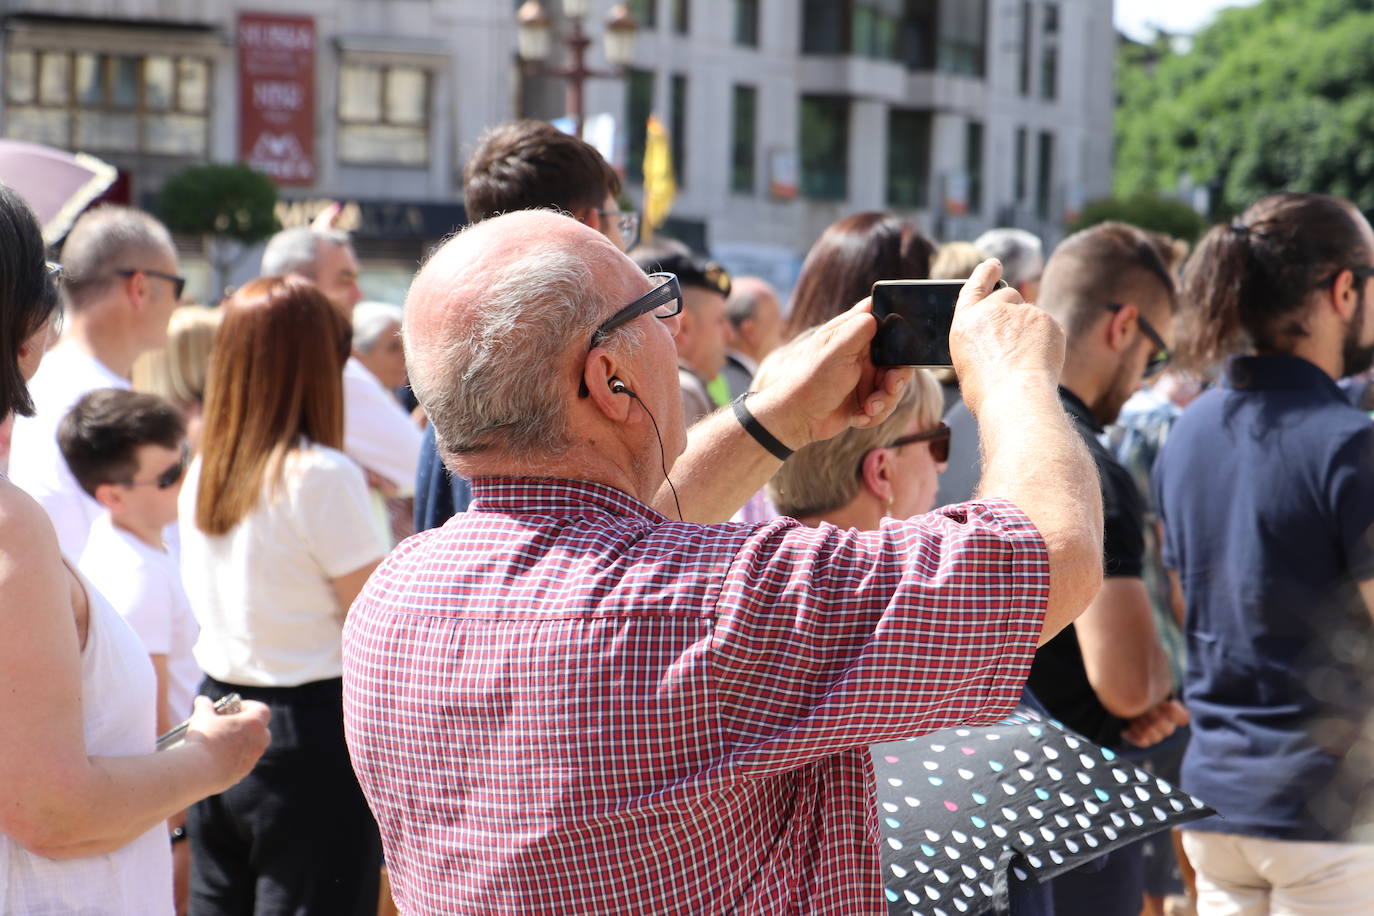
x=914, y=318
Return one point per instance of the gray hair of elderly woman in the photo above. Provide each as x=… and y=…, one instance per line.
x=1021, y=253
x=823, y=476
x=500, y=382
x=370, y=322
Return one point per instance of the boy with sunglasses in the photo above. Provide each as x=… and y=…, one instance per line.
x=128, y=452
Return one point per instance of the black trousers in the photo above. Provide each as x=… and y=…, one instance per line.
x=294, y=838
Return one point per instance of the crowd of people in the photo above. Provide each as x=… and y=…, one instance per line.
x=651, y=623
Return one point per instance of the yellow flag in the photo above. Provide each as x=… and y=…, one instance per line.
x=659, y=185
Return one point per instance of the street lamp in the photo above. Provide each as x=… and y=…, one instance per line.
x=535, y=42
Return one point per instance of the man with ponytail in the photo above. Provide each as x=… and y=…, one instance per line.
x=1267, y=497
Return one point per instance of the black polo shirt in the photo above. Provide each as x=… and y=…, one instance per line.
x=1057, y=675
x=1266, y=490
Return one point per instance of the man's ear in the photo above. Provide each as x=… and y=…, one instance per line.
x=1121, y=327
x=598, y=369
x=1344, y=294
x=876, y=476
x=109, y=496
x=590, y=217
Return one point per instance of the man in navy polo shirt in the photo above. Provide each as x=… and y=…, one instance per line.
x=1266, y=488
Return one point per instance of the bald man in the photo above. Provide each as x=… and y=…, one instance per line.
x=583, y=686
x=756, y=316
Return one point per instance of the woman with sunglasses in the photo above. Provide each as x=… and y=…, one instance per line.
x=862, y=476
x=84, y=799
x=277, y=538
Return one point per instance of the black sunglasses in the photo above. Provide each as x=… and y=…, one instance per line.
x=939, y=436
x=178, y=283
x=168, y=478
x=1161, y=355
x=664, y=300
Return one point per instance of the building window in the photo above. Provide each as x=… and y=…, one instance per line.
x=1044, y=185
x=109, y=102
x=645, y=13
x=865, y=28
x=742, y=152
x=1019, y=166
x=825, y=147
x=963, y=37
x=678, y=129
x=1049, y=54
x=973, y=165
x=639, y=104
x=1027, y=36
x=747, y=23
x=682, y=16
x=908, y=158
x=383, y=115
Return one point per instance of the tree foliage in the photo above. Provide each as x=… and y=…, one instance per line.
x=229, y=201
x=1270, y=97
x=1147, y=211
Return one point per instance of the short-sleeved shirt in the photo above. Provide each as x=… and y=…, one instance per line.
x=1058, y=676
x=563, y=696
x=144, y=585
x=66, y=373
x=378, y=433
x=1266, y=488
x=261, y=592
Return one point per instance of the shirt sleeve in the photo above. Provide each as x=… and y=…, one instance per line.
x=1351, y=501
x=378, y=433
x=829, y=640
x=334, y=514
x=143, y=597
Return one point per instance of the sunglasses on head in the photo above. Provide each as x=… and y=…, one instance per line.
x=168, y=478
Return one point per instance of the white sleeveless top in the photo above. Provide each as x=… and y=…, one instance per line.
x=118, y=700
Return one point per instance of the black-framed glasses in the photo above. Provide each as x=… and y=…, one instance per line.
x=1362, y=273
x=626, y=222
x=664, y=300
x=1161, y=355
x=178, y=283
x=170, y=477
x=939, y=436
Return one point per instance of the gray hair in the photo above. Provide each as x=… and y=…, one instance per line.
x=1021, y=254
x=105, y=240
x=743, y=303
x=370, y=319
x=297, y=250
x=499, y=382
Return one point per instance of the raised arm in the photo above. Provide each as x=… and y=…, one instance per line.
x=1008, y=356
x=55, y=799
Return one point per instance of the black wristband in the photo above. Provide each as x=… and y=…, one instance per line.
x=754, y=428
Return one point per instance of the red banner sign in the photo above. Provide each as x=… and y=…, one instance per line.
x=277, y=96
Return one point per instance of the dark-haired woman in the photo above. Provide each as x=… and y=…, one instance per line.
x=277, y=538
x=84, y=799
x=850, y=255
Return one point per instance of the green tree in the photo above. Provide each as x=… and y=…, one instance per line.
x=1147, y=211
x=230, y=207
x=1275, y=96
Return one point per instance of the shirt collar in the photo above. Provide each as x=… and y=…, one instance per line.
x=1277, y=372
x=746, y=362
x=555, y=496
x=1079, y=411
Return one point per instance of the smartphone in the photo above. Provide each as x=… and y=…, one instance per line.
x=914, y=317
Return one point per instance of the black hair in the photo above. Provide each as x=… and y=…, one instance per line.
x=671, y=256
x=28, y=295
x=1248, y=282
x=99, y=437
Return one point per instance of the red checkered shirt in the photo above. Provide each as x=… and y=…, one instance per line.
x=563, y=702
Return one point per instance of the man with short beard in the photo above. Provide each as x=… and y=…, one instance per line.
x=1106, y=675
x=1267, y=497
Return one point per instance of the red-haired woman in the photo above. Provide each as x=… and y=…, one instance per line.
x=276, y=540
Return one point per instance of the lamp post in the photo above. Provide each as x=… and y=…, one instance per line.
x=535, y=42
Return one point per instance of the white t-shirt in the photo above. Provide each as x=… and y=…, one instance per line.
x=144, y=586
x=65, y=374
x=378, y=433
x=262, y=594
